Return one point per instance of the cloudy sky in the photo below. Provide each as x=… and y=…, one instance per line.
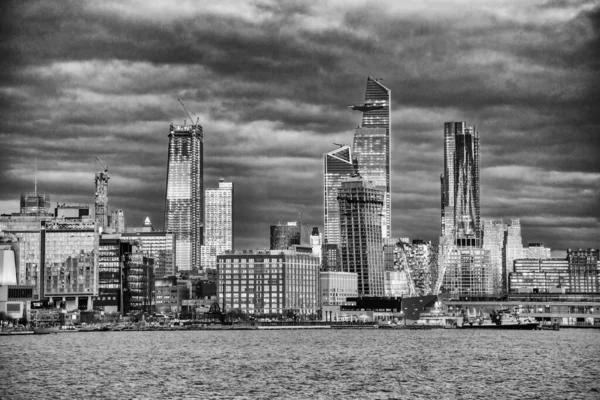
x=271, y=83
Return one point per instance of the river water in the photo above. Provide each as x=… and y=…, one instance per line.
x=311, y=364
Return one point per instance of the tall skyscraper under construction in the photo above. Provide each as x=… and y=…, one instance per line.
x=338, y=167
x=101, y=198
x=460, y=182
x=371, y=145
x=184, y=203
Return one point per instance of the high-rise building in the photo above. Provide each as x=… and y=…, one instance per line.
x=513, y=248
x=338, y=166
x=494, y=240
x=112, y=257
x=117, y=221
x=537, y=250
x=184, y=203
x=460, y=182
x=372, y=144
x=362, y=242
x=218, y=225
x=35, y=203
x=160, y=246
x=285, y=235
x=101, y=199
x=138, y=283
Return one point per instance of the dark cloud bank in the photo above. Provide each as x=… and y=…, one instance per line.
x=271, y=85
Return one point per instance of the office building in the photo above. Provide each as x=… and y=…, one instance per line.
x=69, y=268
x=372, y=145
x=336, y=287
x=113, y=255
x=540, y=276
x=494, y=240
x=537, y=250
x=513, y=248
x=160, y=246
x=460, y=182
x=331, y=257
x=338, y=166
x=584, y=274
x=35, y=203
x=285, y=235
x=117, y=221
x=269, y=282
x=101, y=199
x=468, y=271
x=360, y=227
x=218, y=225
x=138, y=283
x=184, y=203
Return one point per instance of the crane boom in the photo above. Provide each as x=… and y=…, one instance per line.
x=187, y=112
x=103, y=166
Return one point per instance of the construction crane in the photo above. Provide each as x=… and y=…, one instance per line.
x=188, y=113
x=103, y=166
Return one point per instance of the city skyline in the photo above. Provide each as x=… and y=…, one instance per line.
x=271, y=83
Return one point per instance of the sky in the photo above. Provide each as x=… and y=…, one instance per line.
x=270, y=83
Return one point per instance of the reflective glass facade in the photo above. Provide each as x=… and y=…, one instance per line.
x=218, y=225
x=362, y=242
x=184, y=208
x=468, y=271
x=338, y=166
x=159, y=246
x=138, y=283
x=460, y=181
x=372, y=144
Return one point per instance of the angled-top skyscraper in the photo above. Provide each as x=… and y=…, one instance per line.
x=338, y=166
x=184, y=203
x=372, y=144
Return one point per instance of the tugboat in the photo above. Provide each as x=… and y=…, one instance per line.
x=503, y=319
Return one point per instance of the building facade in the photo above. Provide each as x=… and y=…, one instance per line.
x=138, y=283
x=117, y=221
x=218, y=226
x=362, y=242
x=336, y=287
x=372, y=144
x=584, y=274
x=160, y=246
x=35, y=203
x=541, y=276
x=285, y=235
x=468, y=271
x=184, y=203
x=460, y=181
x=269, y=282
x=537, y=250
x=338, y=166
x=101, y=199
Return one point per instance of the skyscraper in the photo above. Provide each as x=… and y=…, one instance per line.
x=101, y=199
x=218, y=226
x=184, y=203
x=372, y=144
x=513, y=249
x=362, y=242
x=460, y=182
x=338, y=166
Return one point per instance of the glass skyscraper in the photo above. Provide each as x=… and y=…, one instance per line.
x=360, y=227
x=184, y=208
x=460, y=182
x=372, y=144
x=338, y=166
x=218, y=227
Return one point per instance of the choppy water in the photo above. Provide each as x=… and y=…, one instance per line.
x=350, y=364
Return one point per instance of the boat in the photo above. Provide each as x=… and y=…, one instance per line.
x=46, y=330
x=502, y=319
x=67, y=328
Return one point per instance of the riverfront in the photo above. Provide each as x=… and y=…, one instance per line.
x=356, y=364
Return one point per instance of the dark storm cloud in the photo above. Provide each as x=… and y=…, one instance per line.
x=270, y=83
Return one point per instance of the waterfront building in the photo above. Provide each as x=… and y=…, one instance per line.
x=35, y=203
x=460, y=182
x=218, y=225
x=372, y=145
x=467, y=271
x=285, y=235
x=160, y=246
x=112, y=256
x=537, y=250
x=362, y=242
x=269, y=282
x=101, y=199
x=15, y=298
x=540, y=276
x=338, y=166
x=584, y=274
x=69, y=267
x=184, y=208
x=336, y=287
x=117, y=221
x=138, y=283
x=169, y=295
